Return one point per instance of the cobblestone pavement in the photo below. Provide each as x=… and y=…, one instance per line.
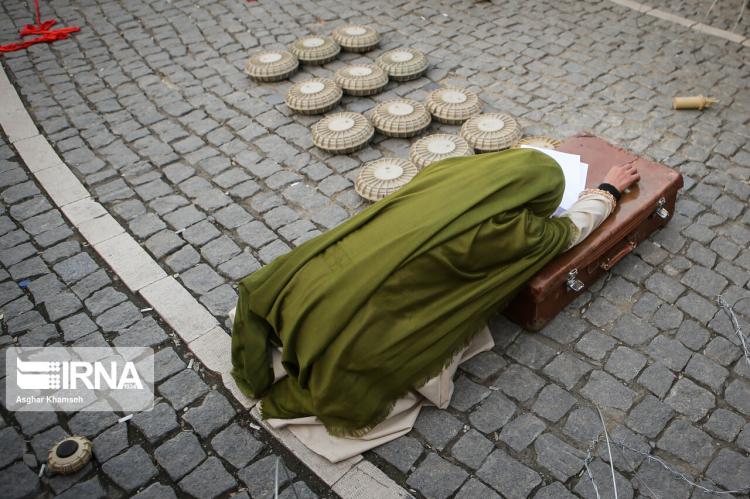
x=149, y=105
x=54, y=292
x=724, y=15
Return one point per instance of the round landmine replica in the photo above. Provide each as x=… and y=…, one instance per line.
x=315, y=49
x=539, y=141
x=69, y=455
x=361, y=79
x=401, y=118
x=403, y=64
x=491, y=132
x=383, y=176
x=453, y=106
x=341, y=133
x=315, y=96
x=437, y=147
x=271, y=65
x=356, y=38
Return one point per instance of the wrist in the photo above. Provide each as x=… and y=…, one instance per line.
x=604, y=186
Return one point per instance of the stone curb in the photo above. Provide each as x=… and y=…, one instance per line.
x=191, y=321
x=694, y=25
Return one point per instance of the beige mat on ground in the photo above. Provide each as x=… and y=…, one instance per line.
x=437, y=391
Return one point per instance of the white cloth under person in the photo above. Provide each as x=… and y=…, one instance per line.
x=591, y=209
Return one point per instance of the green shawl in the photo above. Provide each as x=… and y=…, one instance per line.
x=378, y=305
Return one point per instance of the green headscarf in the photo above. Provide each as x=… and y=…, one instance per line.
x=379, y=305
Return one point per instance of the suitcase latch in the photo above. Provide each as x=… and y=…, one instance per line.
x=661, y=211
x=573, y=283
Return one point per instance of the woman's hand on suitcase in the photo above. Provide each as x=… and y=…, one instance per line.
x=622, y=176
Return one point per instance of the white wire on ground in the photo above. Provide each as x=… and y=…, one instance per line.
x=729, y=310
x=647, y=455
x=609, y=450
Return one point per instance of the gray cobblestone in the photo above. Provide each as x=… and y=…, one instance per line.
x=467, y=394
x=237, y=445
x=401, y=453
x=110, y=442
x=530, y=352
x=437, y=427
x=201, y=278
x=11, y=446
x=689, y=399
x=692, y=335
x=669, y=352
x=655, y=480
x=553, y=403
x=435, y=477
x=474, y=488
x=561, y=459
x=721, y=351
x=213, y=413
x=210, y=479
x=155, y=424
x=625, y=363
x=484, y=366
x=724, y=424
x=256, y=234
x=19, y=480
x=503, y=473
x=519, y=382
x=729, y=469
x=633, y=331
x=737, y=394
x=603, y=476
x=688, y=443
x=583, y=424
x=649, y=417
x=131, y=469
x=103, y=300
x=119, y=317
x=156, y=491
x=606, y=391
x=259, y=476
x=179, y=455
x=705, y=371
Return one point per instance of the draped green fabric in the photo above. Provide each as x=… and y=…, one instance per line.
x=378, y=305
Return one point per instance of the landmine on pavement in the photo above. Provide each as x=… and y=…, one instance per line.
x=491, y=132
x=401, y=118
x=453, y=106
x=314, y=96
x=381, y=177
x=356, y=37
x=437, y=147
x=341, y=133
x=362, y=79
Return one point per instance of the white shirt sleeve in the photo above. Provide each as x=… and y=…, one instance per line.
x=588, y=213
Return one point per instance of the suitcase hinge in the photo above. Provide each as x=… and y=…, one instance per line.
x=573, y=283
x=661, y=211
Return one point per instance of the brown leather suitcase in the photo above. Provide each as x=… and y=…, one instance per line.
x=645, y=208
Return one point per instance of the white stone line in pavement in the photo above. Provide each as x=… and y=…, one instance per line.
x=361, y=481
x=182, y=312
x=60, y=184
x=694, y=25
x=133, y=266
x=191, y=321
x=14, y=119
x=101, y=229
x=38, y=152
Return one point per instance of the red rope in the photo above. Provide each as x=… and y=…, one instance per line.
x=43, y=29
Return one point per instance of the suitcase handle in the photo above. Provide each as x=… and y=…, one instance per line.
x=625, y=251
